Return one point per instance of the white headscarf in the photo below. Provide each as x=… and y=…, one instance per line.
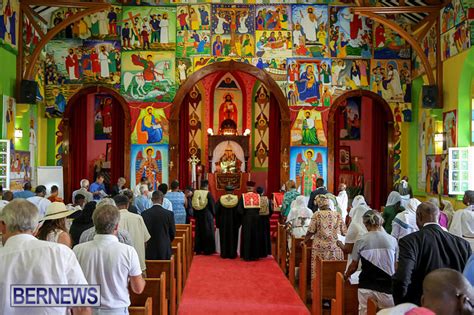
x=356, y=227
x=393, y=198
x=299, y=209
x=412, y=205
x=405, y=222
x=343, y=201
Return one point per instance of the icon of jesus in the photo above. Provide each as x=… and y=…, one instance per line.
x=228, y=109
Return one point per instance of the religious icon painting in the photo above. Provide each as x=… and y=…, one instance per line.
x=451, y=15
x=308, y=128
x=193, y=17
x=63, y=61
x=236, y=46
x=103, y=105
x=233, y=19
x=9, y=114
x=433, y=174
x=150, y=161
x=58, y=144
x=429, y=45
x=401, y=112
x=350, y=35
x=20, y=169
x=273, y=17
x=450, y=128
x=391, y=79
x=275, y=67
x=273, y=44
x=201, y=61
x=310, y=36
x=350, y=74
x=56, y=98
x=150, y=125
x=100, y=62
x=183, y=69
x=388, y=44
x=350, y=120
x=148, y=76
x=455, y=41
x=309, y=82
x=148, y=28
x=193, y=43
x=307, y=164
x=9, y=29
x=345, y=157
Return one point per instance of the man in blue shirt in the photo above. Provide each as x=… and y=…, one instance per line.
x=97, y=188
x=26, y=193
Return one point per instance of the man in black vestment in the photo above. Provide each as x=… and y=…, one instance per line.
x=249, y=208
x=160, y=224
x=266, y=211
x=228, y=223
x=203, y=209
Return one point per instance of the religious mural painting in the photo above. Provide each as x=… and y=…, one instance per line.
x=351, y=119
x=309, y=82
x=261, y=127
x=193, y=43
x=8, y=114
x=388, y=44
x=9, y=30
x=100, y=62
x=150, y=161
x=426, y=145
x=148, y=28
x=58, y=144
x=310, y=25
x=149, y=123
x=63, y=62
x=103, y=116
x=273, y=17
x=308, y=128
x=184, y=68
x=148, y=76
x=451, y=15
x=391, y=79
x=455, y=41
x=193, y=17
x=228, y=102
x=350, y=35
x=429, y=44
x=450, y=129
x=274, y=66
x=56, y=98
x=273, y=44
x=20, y=169
x=307, y=164
x=349, y=74
x=401, y=112
x=233, y=29
x=433, y=174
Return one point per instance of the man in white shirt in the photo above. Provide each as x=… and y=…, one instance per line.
x=26, y=260
x=134, y=224
x=39, y=200
x=109, y=263
x=84, y=190
x=143, y=181
x=462, y=224
x=166, y=203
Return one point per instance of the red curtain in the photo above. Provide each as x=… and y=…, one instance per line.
x=183, y=172
x=379, y=160
x=118, y=143
x=78, y=143
x=274, y=148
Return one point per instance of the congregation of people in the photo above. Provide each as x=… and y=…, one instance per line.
x=401, y=256
x=105, y=235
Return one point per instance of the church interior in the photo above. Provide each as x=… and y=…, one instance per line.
x=369, y=95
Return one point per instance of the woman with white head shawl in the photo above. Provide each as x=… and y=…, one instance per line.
x=405, y=222
x=343, y=200
x=392, y=208
x=448, y=210
x=356, y=228
x=299, y=217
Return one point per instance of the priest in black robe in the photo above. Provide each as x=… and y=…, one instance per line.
x=249, y=208
x=266, y=211
x=228, y=223
x=203, y=209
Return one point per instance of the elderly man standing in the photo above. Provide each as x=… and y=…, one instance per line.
x=84, y=190
x=23, y=259
x=134, y=224
x=142, y=202
x=40, y=200
x=109, y=263
x=119, y=187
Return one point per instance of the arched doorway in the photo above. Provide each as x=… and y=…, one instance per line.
x=279, y=99
x=76, y=144
x=374, y=157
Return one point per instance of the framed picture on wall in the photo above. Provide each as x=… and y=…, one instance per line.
x=345, y=157
x=108, y=152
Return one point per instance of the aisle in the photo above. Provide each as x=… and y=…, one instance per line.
x=224, y=286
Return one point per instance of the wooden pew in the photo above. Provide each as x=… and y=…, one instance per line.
x=305, y=272
x=346, y=301
x=277, y=247
x=295, y=257
x=178, y=271
x=142, y=310
x=156, y=289
x=154, y=268
x=324, y=286
x=185, y=230
x=182, y=241
x=282, y=247
x=371, y=307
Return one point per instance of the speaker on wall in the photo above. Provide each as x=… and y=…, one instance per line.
x=429, y=96
x=28, y=90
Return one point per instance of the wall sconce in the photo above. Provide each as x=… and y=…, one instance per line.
x=247, y=132
x=18, y=133
x=438, y=137
x=210, y=132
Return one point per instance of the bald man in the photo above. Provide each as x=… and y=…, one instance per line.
x=423, y=251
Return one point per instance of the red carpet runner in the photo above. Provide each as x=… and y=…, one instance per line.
x=224, y=286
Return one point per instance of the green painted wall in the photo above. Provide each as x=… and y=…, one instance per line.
x=7, y=75
x=464, y=100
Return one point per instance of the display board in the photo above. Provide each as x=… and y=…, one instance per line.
x=461, y=170
x=5, y=164
x=51, y=175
